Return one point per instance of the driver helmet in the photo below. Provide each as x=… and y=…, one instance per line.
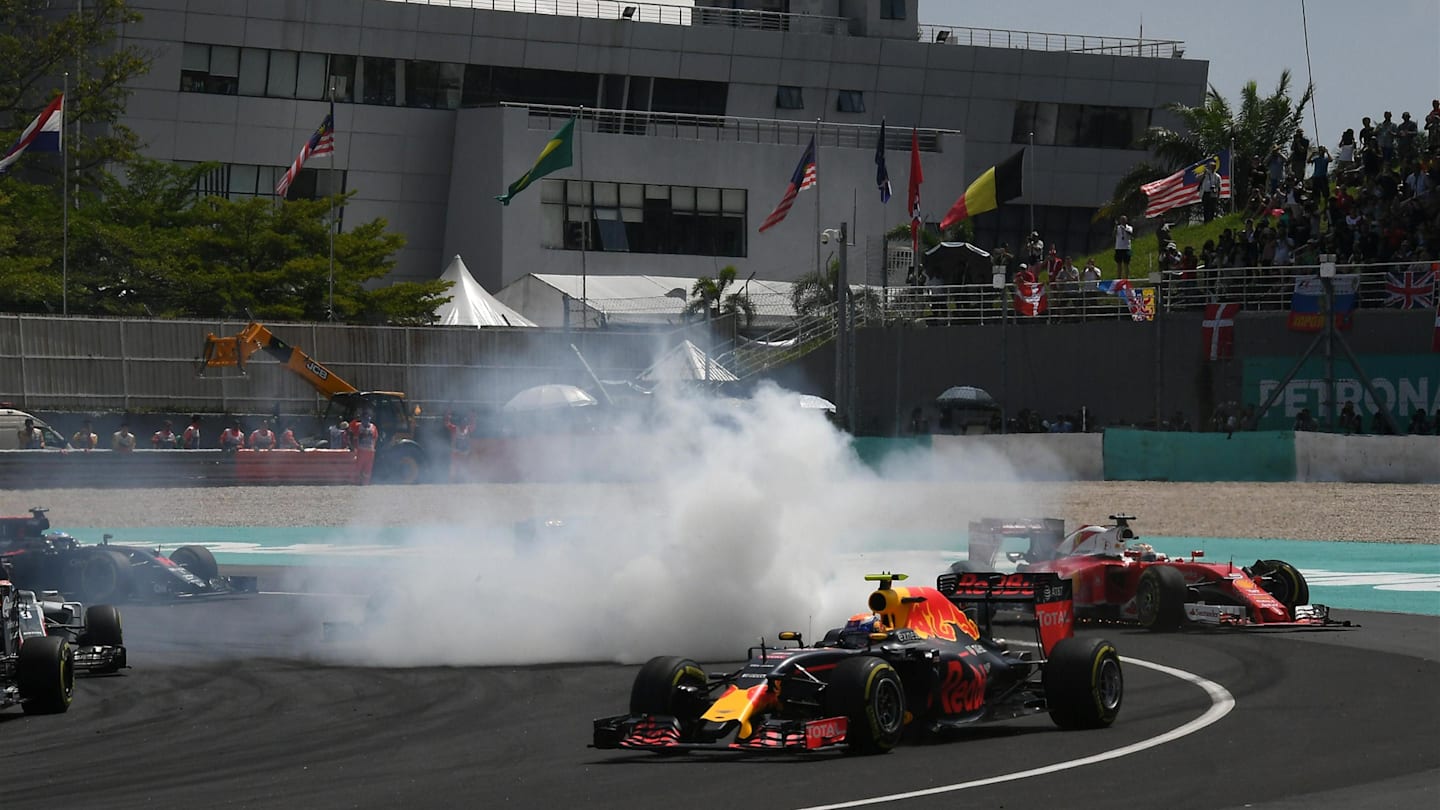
x=866, y=623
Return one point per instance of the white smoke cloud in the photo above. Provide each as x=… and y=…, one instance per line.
x=747, y=517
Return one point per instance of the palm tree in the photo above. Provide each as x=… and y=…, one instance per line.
x=708, y=297
x=1261, y=125
x=813, y=293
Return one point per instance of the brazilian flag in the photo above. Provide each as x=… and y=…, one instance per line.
x=555, y=156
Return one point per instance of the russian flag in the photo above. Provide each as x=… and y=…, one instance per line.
x=43, y=134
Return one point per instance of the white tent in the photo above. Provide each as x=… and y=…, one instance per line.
x=471, y=305
x=686, y=362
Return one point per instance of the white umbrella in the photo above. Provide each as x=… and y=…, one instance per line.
x=549, y=396
x=810, y=402
x=965, y=395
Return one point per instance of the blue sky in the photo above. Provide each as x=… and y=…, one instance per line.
x=1364, y=60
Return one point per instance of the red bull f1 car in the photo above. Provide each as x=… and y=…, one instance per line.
x=1117, y=578
x=915, y=662
x=43, y=560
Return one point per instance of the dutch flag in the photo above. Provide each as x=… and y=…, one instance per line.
x=43, y=134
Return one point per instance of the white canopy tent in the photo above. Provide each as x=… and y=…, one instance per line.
x=686, y=362
x=471, y=305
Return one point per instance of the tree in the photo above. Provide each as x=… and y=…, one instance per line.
x=814, y=293
x=708, y=297
x=40, y=44
x=1261, y=125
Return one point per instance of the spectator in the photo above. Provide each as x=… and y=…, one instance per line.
x=288, y=440
x=1162, y=237
x=339, y=435
x=1275, y=170
x=1034, y=250
x=1124, y=236
x=1405, y=135
x=30, y=437
x=1304, y=422
x=1350, y=420
x=164, y=438
x=190, y=439
x=1090, y=276
x=1210, y=190
x=919, y=424
x=1420, y=423
x=85, y=439
x=1379, y=425
x=122, y=440
x=1299, y=154
x=1385, y=137
x=1432, y=124
x=1320, y=174
x=262, y=438
x=1345, y=153
x=232, y=438
x=1367, y=133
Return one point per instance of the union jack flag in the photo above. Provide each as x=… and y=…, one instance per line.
x=1410, y=289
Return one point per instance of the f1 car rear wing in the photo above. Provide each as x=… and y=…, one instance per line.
x=1048, y=593
x=987, y=537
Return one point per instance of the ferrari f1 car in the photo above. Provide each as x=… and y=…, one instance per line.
x=44, y=641
x=1118, y=578
x=42, y=560
x=914, y=663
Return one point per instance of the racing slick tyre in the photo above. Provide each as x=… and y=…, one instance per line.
x=1282, y=581
x=197, y=560
x=867, y=692
x=658, y=688
x=45, y=673
x=102, y=627
x=104, y=577
x=1160, y=598
x=1084, y=685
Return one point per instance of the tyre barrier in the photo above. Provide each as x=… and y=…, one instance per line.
x=107, y=469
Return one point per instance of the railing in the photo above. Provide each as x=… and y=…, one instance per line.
x=1042, y=41
x=661, y=13
x=730, y=128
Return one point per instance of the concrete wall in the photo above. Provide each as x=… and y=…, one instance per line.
x=1373, y=459
x=1025, y=456
x=1142, y=455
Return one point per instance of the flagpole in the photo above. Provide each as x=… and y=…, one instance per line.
x=584, y=226
x=815, y=236
x=1232, y=174
x=1025, y=169
x=330, y=312
x=65, y=204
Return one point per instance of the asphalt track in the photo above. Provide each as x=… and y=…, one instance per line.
x=229, y=704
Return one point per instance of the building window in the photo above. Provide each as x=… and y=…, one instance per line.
x=1079, y=125
x=210, y=69
x=379, y=80
x=236, y=181
x=851, y=101
x=635, y=218
x=892, y=9
x=789, y=98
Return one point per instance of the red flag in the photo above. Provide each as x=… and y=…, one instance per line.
x=1219, y=330
x=1029, y=294
x=916, y=178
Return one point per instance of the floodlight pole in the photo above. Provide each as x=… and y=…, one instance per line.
x=997, y=280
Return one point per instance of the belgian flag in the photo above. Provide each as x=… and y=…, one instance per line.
x=998, y=184
x=556, y=155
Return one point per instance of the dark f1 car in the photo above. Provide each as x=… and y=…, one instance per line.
x=43, y=643
x=1117, y=578
x=42, y=560
x=916, y=662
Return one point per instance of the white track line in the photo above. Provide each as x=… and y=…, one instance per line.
x=1221, y=702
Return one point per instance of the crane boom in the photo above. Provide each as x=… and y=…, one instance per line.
x=237, y=349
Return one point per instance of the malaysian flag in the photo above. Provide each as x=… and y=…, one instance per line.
x=321, y=143
x=1183, y=187
x=1410, y=289
x=803, y=178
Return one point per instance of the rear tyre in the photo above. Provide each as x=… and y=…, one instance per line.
x=104, y=577
x=401, y=464
x=1282, y=581
x=197, y=560
x=45, y=673
x=867, y=692
x=660, y=688
x=102, y=627
x=1160, y=598
x=1084, y=685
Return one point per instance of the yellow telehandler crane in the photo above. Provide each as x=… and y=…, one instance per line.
x=398, y=459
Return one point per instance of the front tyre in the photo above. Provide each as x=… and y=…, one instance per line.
x=669, y=685
x=45, y=672
x=1282, y=581
x=867, y=692
x=1160, y=598
x=197, y=560
x=1084, y=685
